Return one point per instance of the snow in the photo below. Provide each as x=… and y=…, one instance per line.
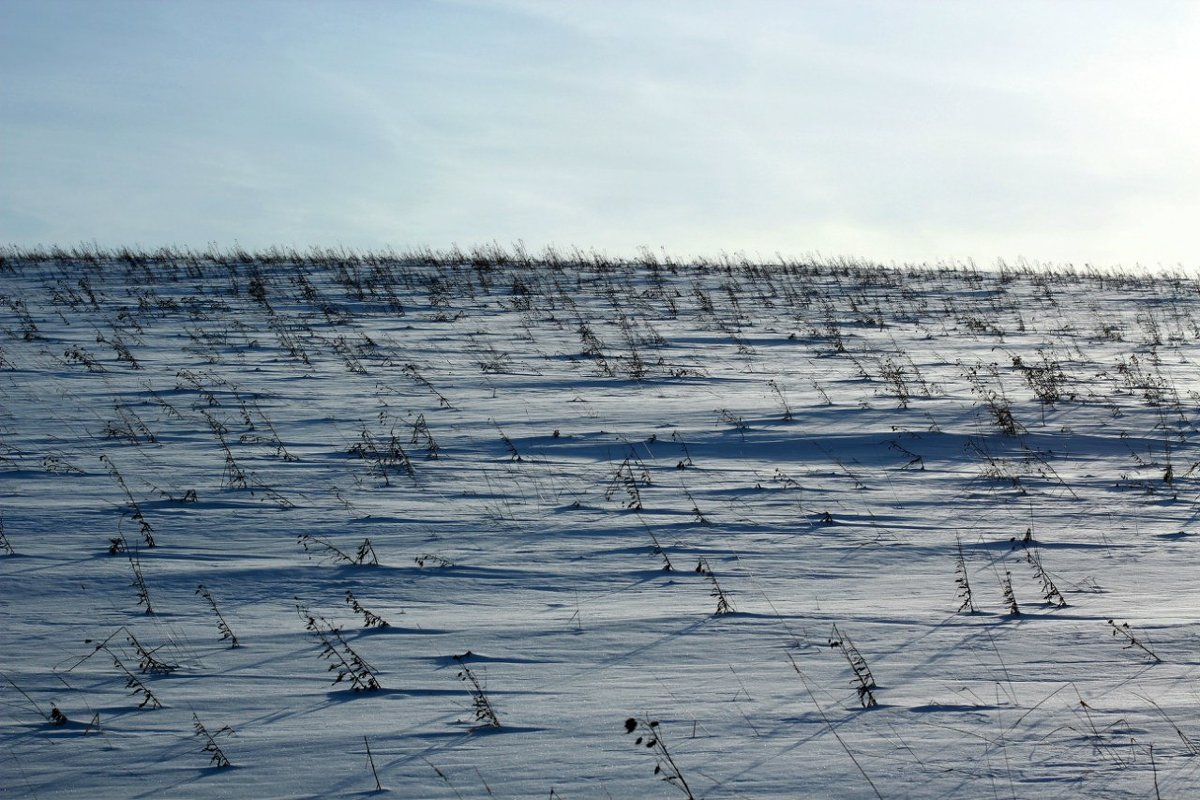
x=513, y=439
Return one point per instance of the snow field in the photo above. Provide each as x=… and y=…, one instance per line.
x=525, y=446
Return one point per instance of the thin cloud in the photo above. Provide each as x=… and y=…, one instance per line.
x=893, y=131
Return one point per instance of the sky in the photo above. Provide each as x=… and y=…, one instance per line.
x=899, y=132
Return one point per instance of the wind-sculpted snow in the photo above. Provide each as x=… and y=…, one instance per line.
x=480, y=512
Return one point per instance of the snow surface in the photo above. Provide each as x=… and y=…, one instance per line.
x=823, y=436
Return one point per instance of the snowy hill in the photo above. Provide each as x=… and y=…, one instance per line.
x=840, y=530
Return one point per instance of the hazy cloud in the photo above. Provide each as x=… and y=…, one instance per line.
x=898, y=131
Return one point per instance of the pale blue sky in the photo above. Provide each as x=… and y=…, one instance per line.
x=896, y=131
